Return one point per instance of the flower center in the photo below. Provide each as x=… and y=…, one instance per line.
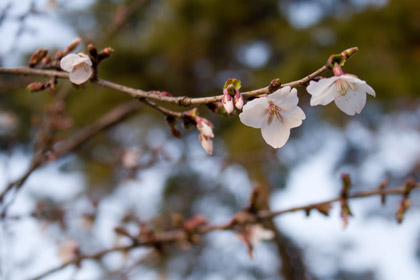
x=343, y=86
x=273, y=113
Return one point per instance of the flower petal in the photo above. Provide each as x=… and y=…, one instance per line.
x=285, y=98
x=67, y=62
x=80, y=74
x=293, y=118
x=275, y=133
x=254, y=113
x=352, y=102
x=360, y=84
x=363, y=86
x=84, y=58
x=322, y=91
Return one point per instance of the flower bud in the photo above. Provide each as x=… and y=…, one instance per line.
x=37, y=56
x=105, y=53
x=238, y=99
x=227, y=101
x=205, y=127
x=206, y=143
x=36, y=86
x=72, y=45
x=274, y=85
x=92, y=50
x=349, y=52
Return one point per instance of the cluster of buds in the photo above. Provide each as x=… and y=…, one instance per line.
x=81, y=66
x=231, y=96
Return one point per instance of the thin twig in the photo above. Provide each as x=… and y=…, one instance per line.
x=181, y=234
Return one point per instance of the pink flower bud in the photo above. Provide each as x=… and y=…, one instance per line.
x=238, y=99
x=204, y=128
x=228, y=103
x=206, y=143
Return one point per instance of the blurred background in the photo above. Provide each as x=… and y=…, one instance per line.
x=138, y=172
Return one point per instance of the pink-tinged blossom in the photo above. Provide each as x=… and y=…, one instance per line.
x=206, y=143
x=79, y=66
x=205, y=127
x=347, y=91
x=275, y=114
x=227, y=101
x=238, y=99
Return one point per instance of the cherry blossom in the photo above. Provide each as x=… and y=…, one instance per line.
x=275, y=114
x=347, y=91
x=79, y=65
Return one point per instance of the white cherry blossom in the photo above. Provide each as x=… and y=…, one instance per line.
x=347, y=91
x=79, y=66
x=275, y=114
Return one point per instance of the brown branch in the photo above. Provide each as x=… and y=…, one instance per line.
x=156, y=95
x=181, y=234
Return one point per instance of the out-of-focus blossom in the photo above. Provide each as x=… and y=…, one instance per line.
x=130, y=157
x=258, y=233
x=79, y=66
x=68, y=250
x=275, y=114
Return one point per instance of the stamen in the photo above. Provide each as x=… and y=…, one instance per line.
x=343, y=86
x=273, y=112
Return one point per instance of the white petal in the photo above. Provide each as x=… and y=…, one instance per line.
x=275, y=134
x=67, y=62
x=370, y=90
x=80, y=74
x=293, y=118
x=322, y=91
x=351, y=103
x=84, y=58
x=364, y=87
x=360, y=84
x=229, y=106
x=254, y=113
x=285, y=98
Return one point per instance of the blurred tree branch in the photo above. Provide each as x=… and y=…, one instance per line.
x=240, y=219
x=109, y=119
